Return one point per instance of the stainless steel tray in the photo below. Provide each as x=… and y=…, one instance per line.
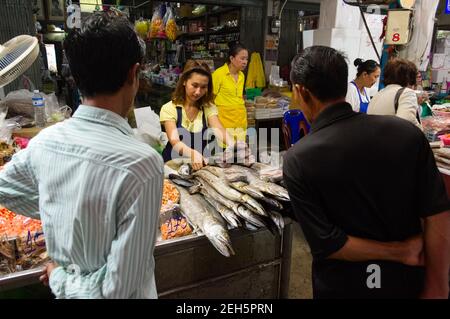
x=20, y=279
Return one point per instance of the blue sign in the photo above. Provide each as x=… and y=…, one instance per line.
x=447, y=7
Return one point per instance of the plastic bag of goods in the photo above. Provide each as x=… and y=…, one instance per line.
x=141, y=27
x=172, y=223
x=7, y=148
x=157, y=23
x=171, y=25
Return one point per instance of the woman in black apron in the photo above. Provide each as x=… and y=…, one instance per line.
x=187, y=118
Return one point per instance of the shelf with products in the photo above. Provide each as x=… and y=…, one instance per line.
x=215, y=21
x=209, y=13
x=211, y=32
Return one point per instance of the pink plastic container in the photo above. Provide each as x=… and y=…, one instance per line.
x=445, y=139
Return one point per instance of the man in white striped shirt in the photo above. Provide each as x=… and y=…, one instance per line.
x=96, y=189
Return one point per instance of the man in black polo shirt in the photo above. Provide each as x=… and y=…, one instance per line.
x=366, y=192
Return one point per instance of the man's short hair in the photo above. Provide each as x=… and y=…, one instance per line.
x=101, y=54
x=401, y=72
x=323, y=71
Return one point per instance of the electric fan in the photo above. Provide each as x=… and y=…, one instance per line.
x=16, y=56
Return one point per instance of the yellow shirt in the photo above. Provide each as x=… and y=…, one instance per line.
x=228, y=92
x=169, y=113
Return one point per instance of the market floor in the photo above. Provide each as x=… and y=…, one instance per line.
x=300, y=282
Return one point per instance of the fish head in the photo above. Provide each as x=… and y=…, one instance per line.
x=185, y=170
x=243, y=211
x=220, y=239
x=179, y=181
x=194, y=189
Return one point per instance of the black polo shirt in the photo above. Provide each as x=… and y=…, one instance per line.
x=366, y=176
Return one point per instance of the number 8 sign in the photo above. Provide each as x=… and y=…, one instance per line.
x=398, y=27
x=396, y=37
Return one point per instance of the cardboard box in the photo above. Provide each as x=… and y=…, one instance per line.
x=337, y=14
x=344, y=40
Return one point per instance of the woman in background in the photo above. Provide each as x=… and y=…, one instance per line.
x=368, y=74
x=228, y=83
x=398, y=97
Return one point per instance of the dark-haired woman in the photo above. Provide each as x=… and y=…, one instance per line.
x=368, y=74
x=398, y=97
x=189, y=114
x=228, y=83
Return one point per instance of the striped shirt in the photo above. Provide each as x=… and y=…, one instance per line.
x=98, y=193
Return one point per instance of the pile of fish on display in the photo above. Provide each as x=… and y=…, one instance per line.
x=215, y=199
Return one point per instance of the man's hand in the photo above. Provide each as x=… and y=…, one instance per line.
x=44, y=278
x=413, y=254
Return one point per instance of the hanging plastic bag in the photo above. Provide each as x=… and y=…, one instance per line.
x=171, y=25
x=157, y=22
x=165, y=11
x=142, y=27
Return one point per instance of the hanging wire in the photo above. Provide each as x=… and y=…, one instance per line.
x=368, y=31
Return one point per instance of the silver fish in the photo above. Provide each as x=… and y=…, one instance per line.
x=212, y=211
x=268, y=173
x=211, y=192
x=198, y=213
x=221, y=186
x=265, y=187
x=273, y=203
x=249, y=226
x=230, y=176
x=217, y=171
x=178, y=180
x=278, y=220
x=247, y=189
x=250, y=217
x=225, y=212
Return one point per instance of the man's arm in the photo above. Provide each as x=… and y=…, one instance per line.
x=18, y=188
x=437, y=256
x=131, y=250
x=327, y=240
x=408, y=252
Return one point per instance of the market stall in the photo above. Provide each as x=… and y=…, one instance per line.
x=248, y=257
x=191, y=268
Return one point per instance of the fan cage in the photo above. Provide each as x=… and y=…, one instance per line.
x=23, y=62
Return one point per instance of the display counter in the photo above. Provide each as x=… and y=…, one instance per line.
x=190, y=267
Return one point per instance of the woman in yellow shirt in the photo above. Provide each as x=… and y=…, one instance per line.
x=228, y=83
x=189, y=114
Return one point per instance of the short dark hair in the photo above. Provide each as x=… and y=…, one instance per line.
x=368, y=66
x=323, y=71
x=101, y=54
x=235, y=48
x=400, y=71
